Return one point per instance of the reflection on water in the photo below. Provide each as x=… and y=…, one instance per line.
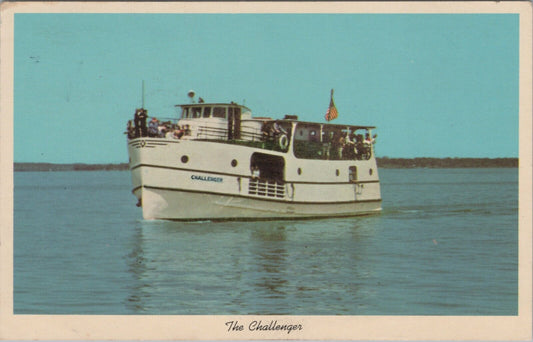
x=274, y=267
x=268, y=252
x=268, y=247
x=137, y=267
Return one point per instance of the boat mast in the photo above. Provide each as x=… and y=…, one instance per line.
x=142, y=106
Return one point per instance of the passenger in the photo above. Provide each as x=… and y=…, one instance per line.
x=277, y=129
x=255, y=172
x=367, y=147
x=349, y=149
x=130, y=130
x=178, y=133
x=143, y=115
x=140, y=122
x=137, y=122
x=369, y=140
x=187, y=130
x=337, y=144
x=359, y=145
x=351, y=137
x=162, y=130
x=169, y=134
x=153, y=128
x=342, y=143
x=265, y=131
x=326, y=137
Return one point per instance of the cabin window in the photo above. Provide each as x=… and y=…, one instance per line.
x=196, y=112
x=185, y=113
x=306, y=143
x=207, y=112
x=219, y=112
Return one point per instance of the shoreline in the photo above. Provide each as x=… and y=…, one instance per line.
x=383, y=163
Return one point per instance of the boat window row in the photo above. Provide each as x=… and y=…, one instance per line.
x=197, y=112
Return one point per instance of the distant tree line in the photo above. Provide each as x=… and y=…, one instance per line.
x=404, y=163
x=383, y=162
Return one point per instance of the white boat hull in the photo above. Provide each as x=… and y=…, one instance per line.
x=207, y=186
x=175, y=204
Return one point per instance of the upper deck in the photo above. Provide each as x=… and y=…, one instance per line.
x=232, y=123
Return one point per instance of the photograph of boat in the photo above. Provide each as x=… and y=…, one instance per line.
x=241, y=197
x=218, y=162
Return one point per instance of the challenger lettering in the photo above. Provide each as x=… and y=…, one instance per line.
x=207, y=178
x=261, y=326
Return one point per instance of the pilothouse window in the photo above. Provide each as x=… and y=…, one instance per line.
x=207, y=112
x=196, y=112
x=219, y=112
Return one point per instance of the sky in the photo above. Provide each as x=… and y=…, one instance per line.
x=435, y=85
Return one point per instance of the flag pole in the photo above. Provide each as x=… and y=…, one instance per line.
x=332, y=111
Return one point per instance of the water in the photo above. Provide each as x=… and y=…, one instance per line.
x=446, y=243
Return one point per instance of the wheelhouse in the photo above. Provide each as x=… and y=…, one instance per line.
x=216, y=110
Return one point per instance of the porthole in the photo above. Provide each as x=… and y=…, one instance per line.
x=337, y=172
x=370, y=171
x=234, y=162
x=184, y=159
x=299, y=171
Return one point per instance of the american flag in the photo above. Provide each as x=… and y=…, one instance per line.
x=332, y=110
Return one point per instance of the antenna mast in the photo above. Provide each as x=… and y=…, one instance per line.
x=143, y=95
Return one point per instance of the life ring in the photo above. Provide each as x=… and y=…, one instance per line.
x=283, y=141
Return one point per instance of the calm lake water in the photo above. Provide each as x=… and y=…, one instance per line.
x=446, y=243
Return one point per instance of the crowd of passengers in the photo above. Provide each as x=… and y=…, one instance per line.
x=341, y=145
x=154, y=128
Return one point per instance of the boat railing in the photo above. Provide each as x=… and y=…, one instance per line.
x=211, y=133
x=218, y=133
x=266, y=188
x=249, y=136
x=251, y=132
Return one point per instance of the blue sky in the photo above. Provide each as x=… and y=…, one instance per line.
x=435, y=85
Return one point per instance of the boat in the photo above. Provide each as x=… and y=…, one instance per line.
x=215, y=161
